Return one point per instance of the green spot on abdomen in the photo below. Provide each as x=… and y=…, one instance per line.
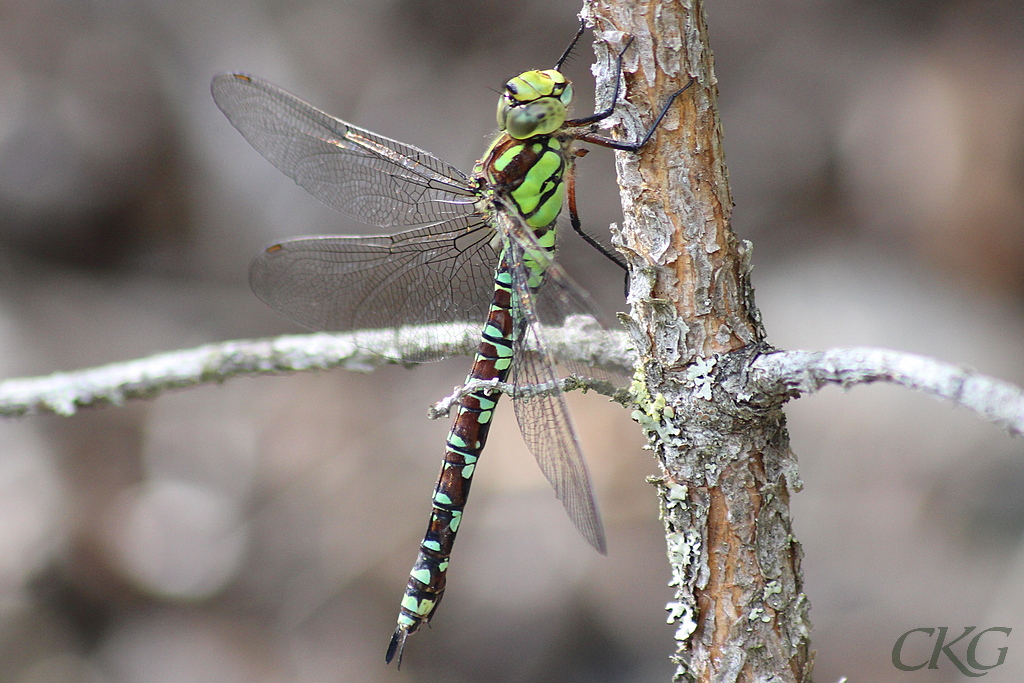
x=547, y=239
x=420, y=608
x=421, y=575
x=493, y=331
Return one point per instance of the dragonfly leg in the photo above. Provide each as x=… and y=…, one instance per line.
x=635, y=146
x=610, y=109
x=574, y=218
x=572, y=44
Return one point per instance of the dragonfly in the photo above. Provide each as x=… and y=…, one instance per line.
x=477, y=247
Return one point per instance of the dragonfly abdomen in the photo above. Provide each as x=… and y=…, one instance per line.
x=465, y=442
x=529, y=173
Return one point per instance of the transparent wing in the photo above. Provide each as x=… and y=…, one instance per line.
x=561, y=303
x=542, y=415
x=437, y=274
x=369, y=177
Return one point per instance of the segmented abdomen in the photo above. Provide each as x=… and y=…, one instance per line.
x=527, y=173
x=465, y=441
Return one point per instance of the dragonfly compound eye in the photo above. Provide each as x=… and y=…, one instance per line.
x=542, y=117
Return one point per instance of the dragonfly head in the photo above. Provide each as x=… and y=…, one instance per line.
x=534, y=103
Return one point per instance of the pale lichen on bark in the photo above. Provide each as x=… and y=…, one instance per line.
x=727, y=467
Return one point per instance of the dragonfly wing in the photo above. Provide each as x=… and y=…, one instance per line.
x=543, y=417
x=560, y=306
x=561, y=303
x=436, y=274
x=374, y=179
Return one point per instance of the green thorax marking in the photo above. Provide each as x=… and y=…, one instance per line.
x=530, y=173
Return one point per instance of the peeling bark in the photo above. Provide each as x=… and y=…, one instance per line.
x=727, y=466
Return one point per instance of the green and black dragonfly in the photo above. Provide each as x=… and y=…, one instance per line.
x=479, y=248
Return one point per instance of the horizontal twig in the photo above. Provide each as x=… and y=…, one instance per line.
x=570, y=383
x=64, y=393
x=795, y=372
x=804, y=372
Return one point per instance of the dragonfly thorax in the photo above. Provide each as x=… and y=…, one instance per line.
x=527, y=175
x=534, y=103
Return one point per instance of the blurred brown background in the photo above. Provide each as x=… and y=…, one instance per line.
x=263, y=530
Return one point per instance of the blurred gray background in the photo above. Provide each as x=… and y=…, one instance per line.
x=262, y=530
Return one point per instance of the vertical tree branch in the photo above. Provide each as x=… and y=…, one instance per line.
x=727, y=466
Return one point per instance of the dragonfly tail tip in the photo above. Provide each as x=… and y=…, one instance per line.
x=396, y=646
